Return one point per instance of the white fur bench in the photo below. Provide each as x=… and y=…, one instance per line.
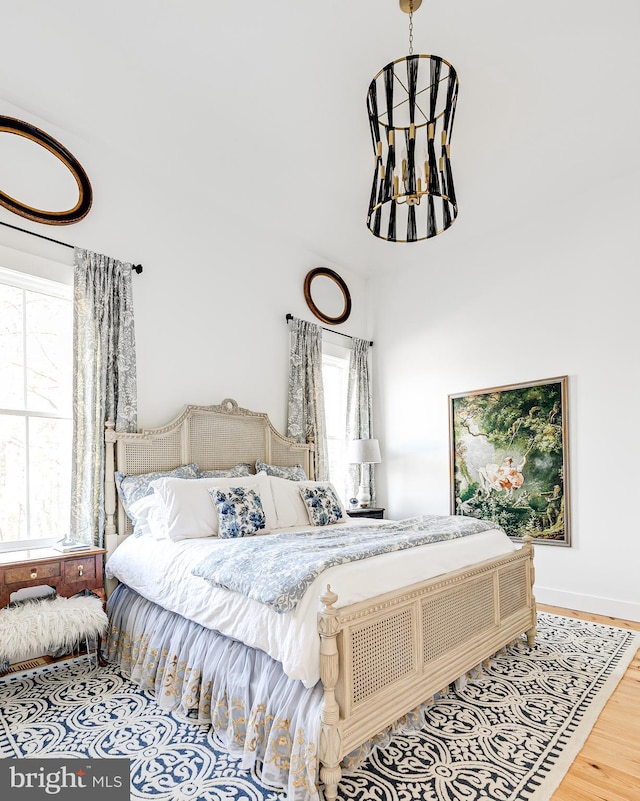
x=48, y=625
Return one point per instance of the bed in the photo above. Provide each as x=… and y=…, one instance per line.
x=369, y=643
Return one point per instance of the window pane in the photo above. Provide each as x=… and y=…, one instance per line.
x=13, y=487
x=335, y=375
x=337, y=464
x=49, y=476
x=36, y=364
x=49, y=331
x=11, y=348
x=335, y=392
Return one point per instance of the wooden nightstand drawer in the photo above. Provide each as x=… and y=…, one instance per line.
x=17, y=575
x=79, y=569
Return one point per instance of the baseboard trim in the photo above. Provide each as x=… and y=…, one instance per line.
x=610, y=607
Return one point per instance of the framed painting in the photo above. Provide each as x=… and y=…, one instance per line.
x=509, y=458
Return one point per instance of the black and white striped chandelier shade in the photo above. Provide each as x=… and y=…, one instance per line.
x=411, y=104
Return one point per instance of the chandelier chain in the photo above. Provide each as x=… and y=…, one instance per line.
x=410, y=27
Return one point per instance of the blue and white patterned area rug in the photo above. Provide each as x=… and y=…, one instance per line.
x=509, y=735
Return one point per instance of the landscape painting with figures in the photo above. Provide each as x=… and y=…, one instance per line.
x=508, y=458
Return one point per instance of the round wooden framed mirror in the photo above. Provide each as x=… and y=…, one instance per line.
x=85, y=195
x=327, y=295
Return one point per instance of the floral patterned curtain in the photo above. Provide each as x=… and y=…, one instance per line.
x=306, y=417
x=104, y=380
x=359, y=423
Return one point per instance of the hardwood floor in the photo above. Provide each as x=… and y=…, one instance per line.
x=608, y=767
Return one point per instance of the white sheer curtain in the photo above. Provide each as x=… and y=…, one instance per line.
x=359, y=422
x=104, y=380
x=306, y=415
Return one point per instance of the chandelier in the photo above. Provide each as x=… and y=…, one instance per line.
x=411, y=104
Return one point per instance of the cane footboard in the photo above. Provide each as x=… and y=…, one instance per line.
x=383, y=657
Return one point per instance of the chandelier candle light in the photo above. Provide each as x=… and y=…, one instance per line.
x=411, y=104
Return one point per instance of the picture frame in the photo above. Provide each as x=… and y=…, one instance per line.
x=509, y=458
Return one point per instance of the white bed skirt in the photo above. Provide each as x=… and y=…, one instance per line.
x=256, y=712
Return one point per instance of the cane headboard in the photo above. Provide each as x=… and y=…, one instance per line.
x=213, y=437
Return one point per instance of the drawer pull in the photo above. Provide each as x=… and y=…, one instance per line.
x=34, y=573
x=80, y=569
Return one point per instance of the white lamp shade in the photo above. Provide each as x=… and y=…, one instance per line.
x=363, y=451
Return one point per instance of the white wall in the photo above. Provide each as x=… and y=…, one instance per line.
x=537, y=298
x=210, y=321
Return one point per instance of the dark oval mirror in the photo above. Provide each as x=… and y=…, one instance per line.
x=327, y=295
x=83, y=190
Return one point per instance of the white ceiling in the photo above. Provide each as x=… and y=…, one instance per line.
x=260, y=104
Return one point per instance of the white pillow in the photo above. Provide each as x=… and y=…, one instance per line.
x=149, y=517
x=290, y=509
x=189, y=510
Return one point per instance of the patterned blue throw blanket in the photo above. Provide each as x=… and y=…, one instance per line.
x=277, y=569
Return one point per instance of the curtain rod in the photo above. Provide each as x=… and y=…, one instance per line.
x=331, y=331
x=136, y=267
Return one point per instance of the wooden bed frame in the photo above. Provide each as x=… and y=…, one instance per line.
x=379, y=658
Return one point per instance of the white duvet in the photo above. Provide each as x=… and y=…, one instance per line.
x=160, y=570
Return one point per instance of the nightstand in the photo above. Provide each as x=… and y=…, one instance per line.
x=376, y=512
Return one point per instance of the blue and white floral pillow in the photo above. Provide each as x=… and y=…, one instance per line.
x=294, y=473
x=240, y=512
x=322, y=505
x=237, y=471
x=132, y=488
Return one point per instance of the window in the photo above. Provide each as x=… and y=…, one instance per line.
x=335, y=376
x=36, y=362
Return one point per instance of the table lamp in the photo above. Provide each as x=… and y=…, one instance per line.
x=363, y=451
